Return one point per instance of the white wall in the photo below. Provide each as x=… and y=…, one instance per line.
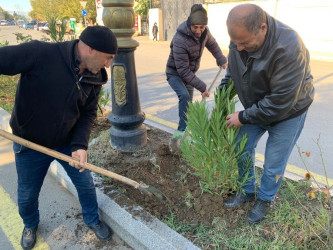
x=313, y=20
x=154, y=17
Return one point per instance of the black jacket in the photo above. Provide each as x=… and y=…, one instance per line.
x=186, y=52
x=275, y=83
x=52, y=108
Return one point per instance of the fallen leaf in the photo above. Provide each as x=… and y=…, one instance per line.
x=308, y=176
x=277, y=177
x=327, y=193
x=312, y=194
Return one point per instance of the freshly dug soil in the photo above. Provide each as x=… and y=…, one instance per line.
x=156, y=166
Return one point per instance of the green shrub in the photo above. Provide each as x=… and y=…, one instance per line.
x=20, y=38
x=211, y=150
x=103, y=98
x=56, y=32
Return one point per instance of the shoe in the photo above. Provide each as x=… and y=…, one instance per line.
x=259, y=211
x=102, y=231
x=236, y=200
x=28, y=239
x=174, y=143
x=178, y=134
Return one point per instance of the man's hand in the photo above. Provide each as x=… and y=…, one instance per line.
x=233, y=121
x=80, y=155
x=224, y=66
x=205, y=93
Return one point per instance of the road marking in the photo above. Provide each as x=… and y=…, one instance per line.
x=161, y=121
x=301, y=172
x=290, y=168
x=11, y=223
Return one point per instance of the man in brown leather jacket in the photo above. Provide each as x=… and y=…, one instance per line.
x=269, y=65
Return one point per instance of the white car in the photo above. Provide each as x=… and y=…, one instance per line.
x=3, y=23
x=44, y=27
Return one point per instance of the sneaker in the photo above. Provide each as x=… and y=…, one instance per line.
x=174, y=143
x=236, y=200
x=259, y=211
x=102, y=231
x=28, y=239
x=174, y=146
x=178, y=134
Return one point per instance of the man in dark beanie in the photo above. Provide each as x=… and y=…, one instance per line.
x=56, y=104
x=184, y=61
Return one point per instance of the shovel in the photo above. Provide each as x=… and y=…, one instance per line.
x=212, y=84
x=149, y=190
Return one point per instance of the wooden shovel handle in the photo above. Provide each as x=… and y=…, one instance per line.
x=67, y=158
x=212, y=84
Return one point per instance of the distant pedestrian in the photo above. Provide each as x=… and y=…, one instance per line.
x=56, y=104
x=187, y=46
x=155, y=31
x=269, y=65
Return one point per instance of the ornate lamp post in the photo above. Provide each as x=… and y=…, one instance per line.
x=127, y=132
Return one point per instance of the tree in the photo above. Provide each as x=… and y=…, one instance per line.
x=61, y=9
x=142, y=7
x=6, y=14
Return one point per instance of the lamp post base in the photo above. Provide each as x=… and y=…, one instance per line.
x=129, y=139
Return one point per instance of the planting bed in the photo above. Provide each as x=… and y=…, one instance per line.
x=155, y=165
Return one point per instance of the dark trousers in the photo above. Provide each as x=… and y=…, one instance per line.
x=31, y=167
x=185, y=95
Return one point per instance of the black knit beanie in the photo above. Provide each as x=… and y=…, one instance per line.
x=100, y=38
x=198, y=15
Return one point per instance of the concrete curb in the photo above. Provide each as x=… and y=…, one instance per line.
x=4, y=120
x=142, y=231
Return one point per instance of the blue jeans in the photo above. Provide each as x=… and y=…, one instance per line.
x=281, y=140
x=31, y=167
x=185, y=95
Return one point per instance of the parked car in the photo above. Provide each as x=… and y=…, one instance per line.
x=20, y=23
x=38, y=25
x=3, y=22
x=11, y=23
x=44, y=27
x=28, y=26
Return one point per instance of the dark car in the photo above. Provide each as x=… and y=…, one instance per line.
x=28, y=26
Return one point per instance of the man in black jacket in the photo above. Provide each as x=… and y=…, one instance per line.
x=187, y=46
x=56, y=104
x=269, y=65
